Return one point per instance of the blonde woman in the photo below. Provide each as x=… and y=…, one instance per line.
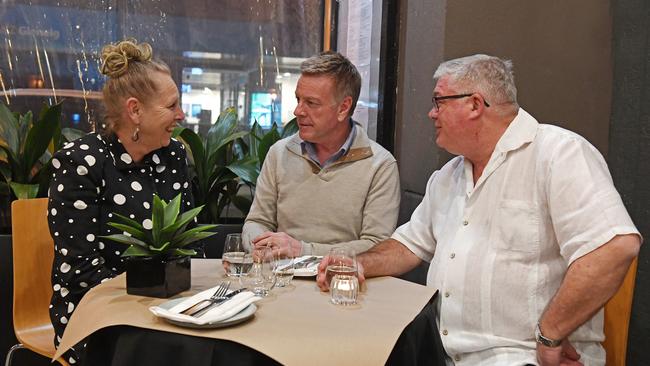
x=116, y=171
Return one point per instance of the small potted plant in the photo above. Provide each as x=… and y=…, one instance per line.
x=159, y=263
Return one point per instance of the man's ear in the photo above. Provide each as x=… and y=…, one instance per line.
x=133, y=107
x=344, y=108
x=477, y=106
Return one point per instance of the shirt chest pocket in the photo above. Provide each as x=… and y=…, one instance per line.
x=515, y=227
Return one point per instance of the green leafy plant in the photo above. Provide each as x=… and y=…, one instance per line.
x=219, y=166
x=169, y=235
x=227, y=160
x=260, y=142
x=26, y=148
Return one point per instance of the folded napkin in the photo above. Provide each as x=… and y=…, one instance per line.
x=223, y=311
x=310, y=270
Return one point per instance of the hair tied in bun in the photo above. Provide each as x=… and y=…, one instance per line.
x=116, y=57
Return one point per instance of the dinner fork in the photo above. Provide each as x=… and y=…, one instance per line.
x=219, y=294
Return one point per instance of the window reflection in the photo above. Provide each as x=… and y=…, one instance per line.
x=241, y=53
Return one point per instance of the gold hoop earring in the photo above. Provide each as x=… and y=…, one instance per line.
x=136, y=136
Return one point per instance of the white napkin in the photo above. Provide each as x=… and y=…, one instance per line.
x=223, y=311
x=310, y=270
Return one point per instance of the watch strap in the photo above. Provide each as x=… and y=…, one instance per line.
x=541, y=339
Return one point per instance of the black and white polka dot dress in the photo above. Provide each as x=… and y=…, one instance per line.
x=93, y=177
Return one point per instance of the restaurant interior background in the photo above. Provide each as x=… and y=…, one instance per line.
x=584, y=65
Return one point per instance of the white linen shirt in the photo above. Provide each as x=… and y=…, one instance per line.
x=502, y=246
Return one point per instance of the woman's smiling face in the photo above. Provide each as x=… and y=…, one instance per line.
x=161, y=114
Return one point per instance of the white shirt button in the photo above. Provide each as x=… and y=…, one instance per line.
x=452, y=255
x=457, y=358
x=444, y=332
x=465, y=222
x=446, y=294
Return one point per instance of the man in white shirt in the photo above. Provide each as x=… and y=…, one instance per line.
x=526, y=234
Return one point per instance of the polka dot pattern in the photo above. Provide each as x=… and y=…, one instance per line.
x=136, y=186
x=126, y=158
x=94, y=177
x=90, y=160
x=119, y=199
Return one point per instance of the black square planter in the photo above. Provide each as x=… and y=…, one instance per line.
x=158, y=277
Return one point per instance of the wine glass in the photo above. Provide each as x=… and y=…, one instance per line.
x=261, y=277
x=341, y=275
x=237, y=256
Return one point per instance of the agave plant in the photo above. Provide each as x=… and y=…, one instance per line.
x=167, y=238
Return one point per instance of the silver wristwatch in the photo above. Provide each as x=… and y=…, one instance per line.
x=539, y=337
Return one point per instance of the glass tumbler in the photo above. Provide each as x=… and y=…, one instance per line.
x=344, y=290
x=284, y=265
x=341, y=274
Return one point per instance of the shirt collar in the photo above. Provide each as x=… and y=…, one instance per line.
x=522, y=130
x=310, y=149
x=122, y=160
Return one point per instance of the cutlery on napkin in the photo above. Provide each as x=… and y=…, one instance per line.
x=302, y=262
x=223, y=311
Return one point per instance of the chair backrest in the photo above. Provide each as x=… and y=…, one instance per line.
x=33, y=252
x=617, y=319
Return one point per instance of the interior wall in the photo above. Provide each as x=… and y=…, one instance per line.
x=563, y=68
x=422, y=27
x=561, y=51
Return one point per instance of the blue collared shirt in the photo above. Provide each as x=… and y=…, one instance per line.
x=310, y=148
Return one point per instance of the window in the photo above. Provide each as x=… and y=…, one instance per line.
x=223, y=53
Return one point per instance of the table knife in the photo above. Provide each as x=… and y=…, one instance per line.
x=213, y=304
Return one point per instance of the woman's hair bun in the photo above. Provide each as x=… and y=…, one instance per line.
x=116, y=56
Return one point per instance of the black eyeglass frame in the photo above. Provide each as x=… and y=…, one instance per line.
x=435, y=99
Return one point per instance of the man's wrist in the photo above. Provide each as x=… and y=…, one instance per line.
x=544, y=340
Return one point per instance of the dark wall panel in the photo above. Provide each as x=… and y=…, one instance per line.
x=629, y=150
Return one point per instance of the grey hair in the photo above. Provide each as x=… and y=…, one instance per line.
x=491, y=76
x=333, y=64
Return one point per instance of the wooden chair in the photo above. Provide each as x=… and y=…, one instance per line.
x=617, y=319
x=33, y=252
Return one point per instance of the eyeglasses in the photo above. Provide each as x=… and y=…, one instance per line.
x=435, y=100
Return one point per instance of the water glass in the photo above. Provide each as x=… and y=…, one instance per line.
x=344, y=290
x=261, y=277
x=237, y=256
x=341, y=274
x=284, y=265
x=342, y=261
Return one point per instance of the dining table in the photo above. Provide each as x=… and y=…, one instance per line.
x=393, y=322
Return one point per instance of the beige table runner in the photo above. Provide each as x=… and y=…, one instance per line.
x=294, y=326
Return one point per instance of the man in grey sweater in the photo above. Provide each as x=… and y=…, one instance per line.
x=329, y=184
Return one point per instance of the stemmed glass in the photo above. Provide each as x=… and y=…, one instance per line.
x=237, y=256
x=341, y=274
x=261, y=277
